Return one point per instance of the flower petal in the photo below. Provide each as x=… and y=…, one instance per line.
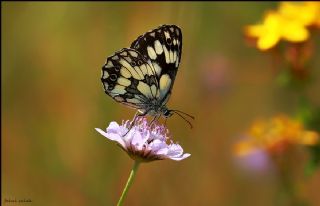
x=175, y=150
x=138, y=140
x=295, y=32
x=112, y=136
x=308, y=138
x=158, y=146
x=268, y=40
x=113, y=127
x=184, y=156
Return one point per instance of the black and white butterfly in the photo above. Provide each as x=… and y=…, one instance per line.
x=142, y=76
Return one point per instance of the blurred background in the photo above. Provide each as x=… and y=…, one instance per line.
x=52, y=99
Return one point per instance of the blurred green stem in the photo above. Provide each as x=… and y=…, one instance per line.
x=288, y=194
x=129, y=182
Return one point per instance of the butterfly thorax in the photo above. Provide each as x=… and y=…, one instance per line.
x=157, y=110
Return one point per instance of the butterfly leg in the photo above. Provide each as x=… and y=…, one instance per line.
x=135, y=119
x=155, y=119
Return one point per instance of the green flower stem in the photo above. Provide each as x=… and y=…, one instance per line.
x=129, y=182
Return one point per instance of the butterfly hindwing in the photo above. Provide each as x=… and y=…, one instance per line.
x=130, y=79
x=143, y=75
x=163, y=47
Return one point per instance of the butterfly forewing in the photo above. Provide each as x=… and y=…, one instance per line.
x=130, y=79
x=142, y=76
x=163, y=46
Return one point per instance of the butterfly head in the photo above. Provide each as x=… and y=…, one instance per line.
x=167, y=113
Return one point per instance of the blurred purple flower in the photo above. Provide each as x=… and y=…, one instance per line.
x=144, y=142
x=215, y=69
x=257, y=161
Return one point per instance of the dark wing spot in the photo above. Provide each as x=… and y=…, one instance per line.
x=169, y=41
x=128, y=95
x=140, y=62
x=150, y=79
x=132, y=88
x=113, y=77
x=110, y=87
x=117, y=68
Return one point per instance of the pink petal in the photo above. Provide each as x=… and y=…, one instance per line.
x=184, y=156
x=112, y=136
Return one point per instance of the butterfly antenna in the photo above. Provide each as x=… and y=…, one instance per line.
x=175, y=111
x=192, y=117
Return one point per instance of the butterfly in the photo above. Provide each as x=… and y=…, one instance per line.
x=143, y=75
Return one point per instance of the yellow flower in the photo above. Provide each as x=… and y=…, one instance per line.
x=267, y=33
x=289, y=23
x=274, y=28
x=306, y=13
x=275, y=135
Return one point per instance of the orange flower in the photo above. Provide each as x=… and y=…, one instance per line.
x=275, y=135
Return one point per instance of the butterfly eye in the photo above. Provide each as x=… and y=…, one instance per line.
x=113, y=77
x=167, y=113
x=133, y=64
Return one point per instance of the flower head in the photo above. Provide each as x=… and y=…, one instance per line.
x=290, y=23
x=274, y=28
x=258, y=161
x=144, y=142
x=275, y=136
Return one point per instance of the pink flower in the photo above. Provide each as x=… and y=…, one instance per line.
x=144, y=142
